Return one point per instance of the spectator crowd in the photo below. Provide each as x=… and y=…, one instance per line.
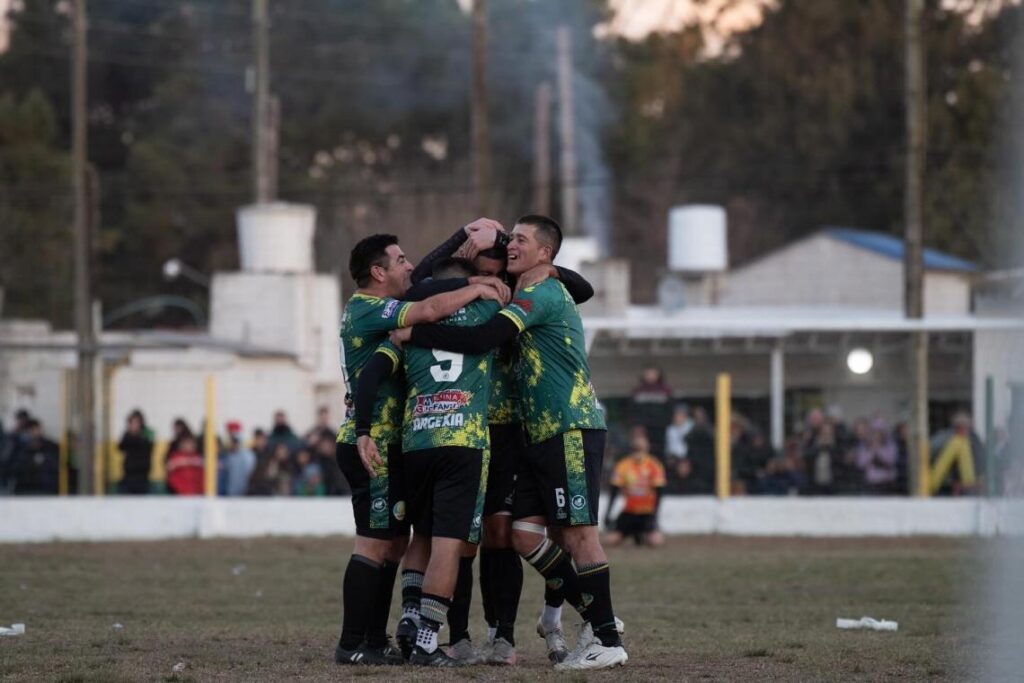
x=823, y=456
x=274, y=462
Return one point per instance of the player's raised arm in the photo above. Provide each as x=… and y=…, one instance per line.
x=483, y=233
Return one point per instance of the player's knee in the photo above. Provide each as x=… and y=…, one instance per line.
x=375, y=549
x=396, y=549
x=497, y=532
x=526, y=536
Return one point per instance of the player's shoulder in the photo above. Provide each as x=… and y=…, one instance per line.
x=363, y=305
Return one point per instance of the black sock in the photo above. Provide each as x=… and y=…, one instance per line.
x=412, y=589
x=595, y=583
x=487, y=585
x=509, y=589
x=377, y=629
x=458, y=614
x=555, y=565
x=358, y=589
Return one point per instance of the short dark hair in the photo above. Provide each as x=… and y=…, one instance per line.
x=453, y=267
x=369, y=252
x=549, y=232
x=498, y=252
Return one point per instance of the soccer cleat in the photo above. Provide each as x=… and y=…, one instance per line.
x=437, y=658
x=595, y=656
x=405, y=635
x=502, y=653
x=362, y=656
x=558, y=650
x=586, y=637
x=464, y=652
x=390, y=654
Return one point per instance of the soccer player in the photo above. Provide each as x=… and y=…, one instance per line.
x=381, y=272
x=640, y=477
x=444, y=439
x=501, y=572
x=558, y=479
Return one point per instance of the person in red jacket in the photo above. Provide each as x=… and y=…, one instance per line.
x=185, y=469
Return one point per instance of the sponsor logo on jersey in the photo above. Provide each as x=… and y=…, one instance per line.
x=477, y=521
x=438, y=421
x=399, y=510
x=379, y=505
x=578, y=502
x=389, y=309
x=442, y=402
x=524, y=305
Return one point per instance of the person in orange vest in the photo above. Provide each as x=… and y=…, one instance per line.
x=640, y=477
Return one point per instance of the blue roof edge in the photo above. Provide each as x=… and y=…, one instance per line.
x=892, y=247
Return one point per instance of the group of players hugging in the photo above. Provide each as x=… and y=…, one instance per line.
x=472, y=420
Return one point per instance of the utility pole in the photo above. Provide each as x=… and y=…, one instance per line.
x=478, y=111
x=85, y=441
x=261, y=114
x=913, y=268
x=568, y=131
x=542, y=149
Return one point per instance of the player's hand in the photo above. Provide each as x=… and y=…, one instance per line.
x=468, y=250
x=483, y=232
x=369, y=455
x=495, y=282
x=539, y=273
x=400, y=336
x=492, y=294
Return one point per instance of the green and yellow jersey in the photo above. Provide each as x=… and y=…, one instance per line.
x=552, y=373
x=366, y=324
x=448, y=393
x=504, y=405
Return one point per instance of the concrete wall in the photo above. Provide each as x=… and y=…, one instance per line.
x=170, y=384
x=822, y=271
x=33, y=520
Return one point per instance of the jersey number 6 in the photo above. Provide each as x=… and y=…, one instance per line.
x=439, y=373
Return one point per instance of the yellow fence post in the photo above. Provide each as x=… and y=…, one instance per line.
x=723, y=441
x=210, y=440
x=65, y=428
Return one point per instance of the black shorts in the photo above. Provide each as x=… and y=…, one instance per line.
x=446, y=491
x=560, y=479
x=378, y=504
x=629, y=524
x=508, y=442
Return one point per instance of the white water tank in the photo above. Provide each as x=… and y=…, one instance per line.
x=276, y=238
x=576, y=251
x=697, y=239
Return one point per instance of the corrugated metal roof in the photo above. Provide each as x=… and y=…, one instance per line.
x=892, y=247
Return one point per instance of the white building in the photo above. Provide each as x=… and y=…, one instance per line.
x=272, y=344
x=783, y=325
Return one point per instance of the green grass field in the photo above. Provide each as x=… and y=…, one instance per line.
x=698, y=609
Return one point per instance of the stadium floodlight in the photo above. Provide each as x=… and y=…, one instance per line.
x=860, y=361
x=175, y=268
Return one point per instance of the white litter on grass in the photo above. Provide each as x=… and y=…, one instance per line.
x=117, y=627
x=14, y=630
x=238, y=569
x=178, y=668
x=867, y=623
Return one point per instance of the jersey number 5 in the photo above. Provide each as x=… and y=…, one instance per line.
x=454, y=360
